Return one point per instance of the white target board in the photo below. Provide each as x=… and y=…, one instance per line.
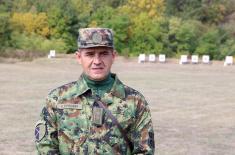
x=194, y=59
x=141, y=58
x=206, y=59
x=228, y=60
x=162, y=58
x=183, y=59
x=152, y=58
x=52, y=54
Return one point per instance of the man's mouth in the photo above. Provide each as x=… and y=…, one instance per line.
x=97, y=69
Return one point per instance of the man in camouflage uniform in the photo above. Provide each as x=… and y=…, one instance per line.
x=76, y=118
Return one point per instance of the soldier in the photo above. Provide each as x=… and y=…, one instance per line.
x=96, y=114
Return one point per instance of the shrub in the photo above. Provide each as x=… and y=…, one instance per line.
x=34, y=44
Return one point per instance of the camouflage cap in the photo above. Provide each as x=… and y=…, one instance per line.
x=95, y=37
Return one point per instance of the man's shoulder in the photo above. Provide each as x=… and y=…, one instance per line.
x=135, y=97
x=63, y=89
x=126, y=90
x=131, y=92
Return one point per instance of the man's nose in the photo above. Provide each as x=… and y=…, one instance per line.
x=97, y=59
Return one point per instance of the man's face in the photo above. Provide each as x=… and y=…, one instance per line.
x=96, y=62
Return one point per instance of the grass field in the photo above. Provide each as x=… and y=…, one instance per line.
x=193, y=106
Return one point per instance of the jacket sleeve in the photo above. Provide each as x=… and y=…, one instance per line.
x=142, y=134
x=46, y=137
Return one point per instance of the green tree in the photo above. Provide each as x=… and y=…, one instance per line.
x=187, y=36
x=31, y=23
x=97, y=4
x=211, y=42
x=63, y=22
x=227, y=49
x=143, y=28
x=207, y=11
x=119, y=22
x=20, y=6
x=6, y=6
x=5, y=28
x=153, y=8
x=5, y=31
x=182, y=8
x=144, y=34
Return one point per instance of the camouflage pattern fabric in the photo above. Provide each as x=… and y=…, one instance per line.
x=94, y=37
x=70, y=131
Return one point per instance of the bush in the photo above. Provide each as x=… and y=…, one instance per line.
x=23, y=46
x=227, y=49
x=216, y=43
x=5, y=31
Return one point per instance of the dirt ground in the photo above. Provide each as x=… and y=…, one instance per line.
x=192, y=106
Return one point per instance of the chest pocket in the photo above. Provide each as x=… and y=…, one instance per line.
x=124, y=113
x=73, y=119
x=73, y=128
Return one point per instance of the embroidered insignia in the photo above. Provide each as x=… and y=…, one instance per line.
x=97, y=117
x=69, y=106
x=40, y=130
x=97, y=38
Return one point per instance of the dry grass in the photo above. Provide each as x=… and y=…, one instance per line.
x=192, y=105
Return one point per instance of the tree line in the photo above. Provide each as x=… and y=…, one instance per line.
x=168, y=27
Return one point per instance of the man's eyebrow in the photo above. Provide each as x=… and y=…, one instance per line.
x=89, y=52
x=104, y=51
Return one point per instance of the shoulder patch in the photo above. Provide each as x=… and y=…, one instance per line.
x=40, y=130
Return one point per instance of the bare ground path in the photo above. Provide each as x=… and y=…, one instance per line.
x=193, y=106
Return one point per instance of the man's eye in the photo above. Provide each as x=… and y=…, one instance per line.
x=105, y=53
x=89, y=54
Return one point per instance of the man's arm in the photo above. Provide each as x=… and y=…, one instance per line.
x=142, y=133
x=46, y=137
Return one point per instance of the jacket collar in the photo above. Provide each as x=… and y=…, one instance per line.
x=117, y=90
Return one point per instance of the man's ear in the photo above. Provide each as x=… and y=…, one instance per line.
x=78, y=56
x=115, y=54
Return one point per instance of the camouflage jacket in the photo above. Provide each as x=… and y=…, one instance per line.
x=66, y=126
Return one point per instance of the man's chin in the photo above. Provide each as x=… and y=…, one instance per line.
x=98, y=77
